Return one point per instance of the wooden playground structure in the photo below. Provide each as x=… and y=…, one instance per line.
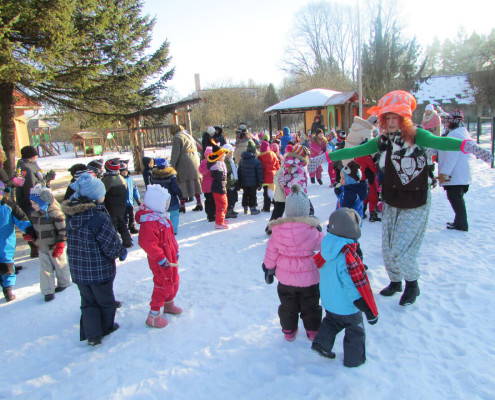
x=88, y=144
x=40, y=137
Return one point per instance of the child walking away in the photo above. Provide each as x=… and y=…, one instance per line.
x=92, y=247
x=352, y=191
x=270, y=165
x=232, y=184
x=218, y=171
x=132, y=195
x=345, y=289
x=206, y=186
x=156, y=238
x=10, y=215
x=250, y=178
x=318, y=146
x=289, y=256
x=166, y=176
x=116, y=199
x=49, y=223
x=148, y=164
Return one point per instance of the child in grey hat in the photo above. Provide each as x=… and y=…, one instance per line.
x=344, y=288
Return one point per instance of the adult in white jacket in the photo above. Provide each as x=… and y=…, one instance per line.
x=454, y=173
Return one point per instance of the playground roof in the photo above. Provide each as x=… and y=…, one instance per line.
x=21, y=101
x=37, y=123
x=87, y=136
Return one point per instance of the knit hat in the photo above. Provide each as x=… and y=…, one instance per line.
x=455, y=116
x=78, y=174
x=157, y=198
x=228, y=146
x=251, y=147
x=265, y=146
x=275, y=147
x=210, y=130
x=112, y=165
x=242, y=127
x=76, y=168
x=300, y=150
x=288, y=148
x=353, y=171
x=430, y=107
x=96, y=166
x=124, y=165
x=89, y=187
x=341, y=136
x=28, y=152
x=345, y=222
x=397, y=102
x=372, y=119
x=162, y=163
x=297, y=202
x=42, y=196
x=216, y=152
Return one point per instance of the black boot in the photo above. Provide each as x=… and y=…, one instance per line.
x=320, y=181
x=199, y=207
x=182, y=209
x=313, y=180
x=410, y=293
x=374, y=217
x=7, y=292
x=391, y=289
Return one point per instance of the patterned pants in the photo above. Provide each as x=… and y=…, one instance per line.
x=403, y=230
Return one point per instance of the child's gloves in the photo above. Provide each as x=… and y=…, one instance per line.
x=164, y=263
x=362, y=306
x=30, y=235
x=123, y=254
x=58, y=250
x=50, y=175
x=269, y=274
x=319, y=260
x=470, y=146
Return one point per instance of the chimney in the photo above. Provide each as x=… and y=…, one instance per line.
x=196, y=81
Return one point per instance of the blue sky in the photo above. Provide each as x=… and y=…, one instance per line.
x=234, y=41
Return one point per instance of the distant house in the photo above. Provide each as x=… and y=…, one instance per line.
x=448, y=92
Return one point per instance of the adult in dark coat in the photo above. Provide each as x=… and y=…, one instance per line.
x=214, y=133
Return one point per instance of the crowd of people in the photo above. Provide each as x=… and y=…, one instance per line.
x=383, y=164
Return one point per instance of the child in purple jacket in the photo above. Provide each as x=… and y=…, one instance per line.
x=289, y=256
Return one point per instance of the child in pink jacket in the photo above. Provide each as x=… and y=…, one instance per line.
x=289, y=256
x=206, y=186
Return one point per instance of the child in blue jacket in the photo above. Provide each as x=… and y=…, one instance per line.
x=344, y=289
x=132, y=195
x=10, y=215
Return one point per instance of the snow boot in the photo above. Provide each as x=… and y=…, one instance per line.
x=230, y=213
x=156, y=321
x=171, y=308
x=289, y=334
x=7, y=292
x=313, y=180
x=320, y=181
x=133, y=230
x=391, y=289
x=410, y=293
x=59, y=289
x=311, y=334
x=49, y=297
x=374, y=217
x=199, y=207
x=182, y=209
x=221, y=226
x=246, y=210
x=321, y=351
x=94, y=341
x=255, y=211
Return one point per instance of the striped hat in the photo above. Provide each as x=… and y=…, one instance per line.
x=112, y=165
x=89, y=187
x=96, y=166
x=300, y=150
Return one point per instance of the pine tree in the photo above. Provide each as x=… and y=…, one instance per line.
x=271, y=96
x=83, y=55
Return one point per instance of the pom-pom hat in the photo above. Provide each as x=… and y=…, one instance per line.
x=297, y=202
x=251, y=147
x=398, y=102
x=161, y=163
x=265, y=146
x=112, y=165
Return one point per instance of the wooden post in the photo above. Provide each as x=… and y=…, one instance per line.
x=270, y=126
x=279, y=121
x=175, y=117
x=188, y=119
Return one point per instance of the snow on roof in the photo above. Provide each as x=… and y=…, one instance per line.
x=308, y=99
x=445, y=89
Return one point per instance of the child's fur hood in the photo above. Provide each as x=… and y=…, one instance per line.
x=72, y=209
x=163, y=173
x=299, y=157
x=310, y=220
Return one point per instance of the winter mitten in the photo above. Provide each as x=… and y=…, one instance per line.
x=470, y=146
x=50, y=175
x=337, y=189
x=315, y=162
x=58, y=250
x=28, y=238
x=164, y=263
x=18, y=181
x=319, y=260
x=269, y=274
x=123, y=254
x=30, y=235
x=361, y=305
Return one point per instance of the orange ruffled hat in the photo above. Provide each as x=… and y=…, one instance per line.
x=398, y=102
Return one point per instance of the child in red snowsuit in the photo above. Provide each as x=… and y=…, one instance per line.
x=369, y=170
x=157, y=239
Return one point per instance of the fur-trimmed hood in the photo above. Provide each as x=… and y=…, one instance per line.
x=75, y=208
x=309, y=220
x=163, y=173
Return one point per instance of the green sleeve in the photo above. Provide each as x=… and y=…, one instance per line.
x=352, y=152
x=426, y=139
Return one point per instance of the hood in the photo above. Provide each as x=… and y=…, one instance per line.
x=163, y=173
x=146, y=161
x=80, y=213
x=310, y=220
x=246, y=155
x=331, y=245
x=291, y=232
x=361, y=188
x=75, y=208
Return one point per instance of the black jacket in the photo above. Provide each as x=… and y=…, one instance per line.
x=250, y=170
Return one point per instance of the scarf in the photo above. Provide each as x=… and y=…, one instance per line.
x=151, y=215
x=430, y=121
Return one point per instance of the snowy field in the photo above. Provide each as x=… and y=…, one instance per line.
x=228, y=342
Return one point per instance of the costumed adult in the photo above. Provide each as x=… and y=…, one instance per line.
x=454, y=173
x=185, y=160
x=402, y=156
x=214, y=133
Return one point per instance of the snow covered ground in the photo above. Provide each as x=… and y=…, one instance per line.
x=228, y=343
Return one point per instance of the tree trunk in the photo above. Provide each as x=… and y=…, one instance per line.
x=7, y=114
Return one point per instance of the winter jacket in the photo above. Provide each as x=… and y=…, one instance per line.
x=352, y=196
x=337, y=290
x=10, y=215
x=132, y=191
x=284, y=140
x=278, y=193
x=116, y=195
x=295, y=171
x=291, y=248
x=51, y=230
x=185, y=160
x=93, y=244
x=250, y=171
x=232, y=176
x=455, y=163
x=166, y=178
x=32, y=177
x=316, y=147
x=147, y=171
x=157, y=240
x=218, y=171
x=218, y=138
x=207, y=179
x=270, y=165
